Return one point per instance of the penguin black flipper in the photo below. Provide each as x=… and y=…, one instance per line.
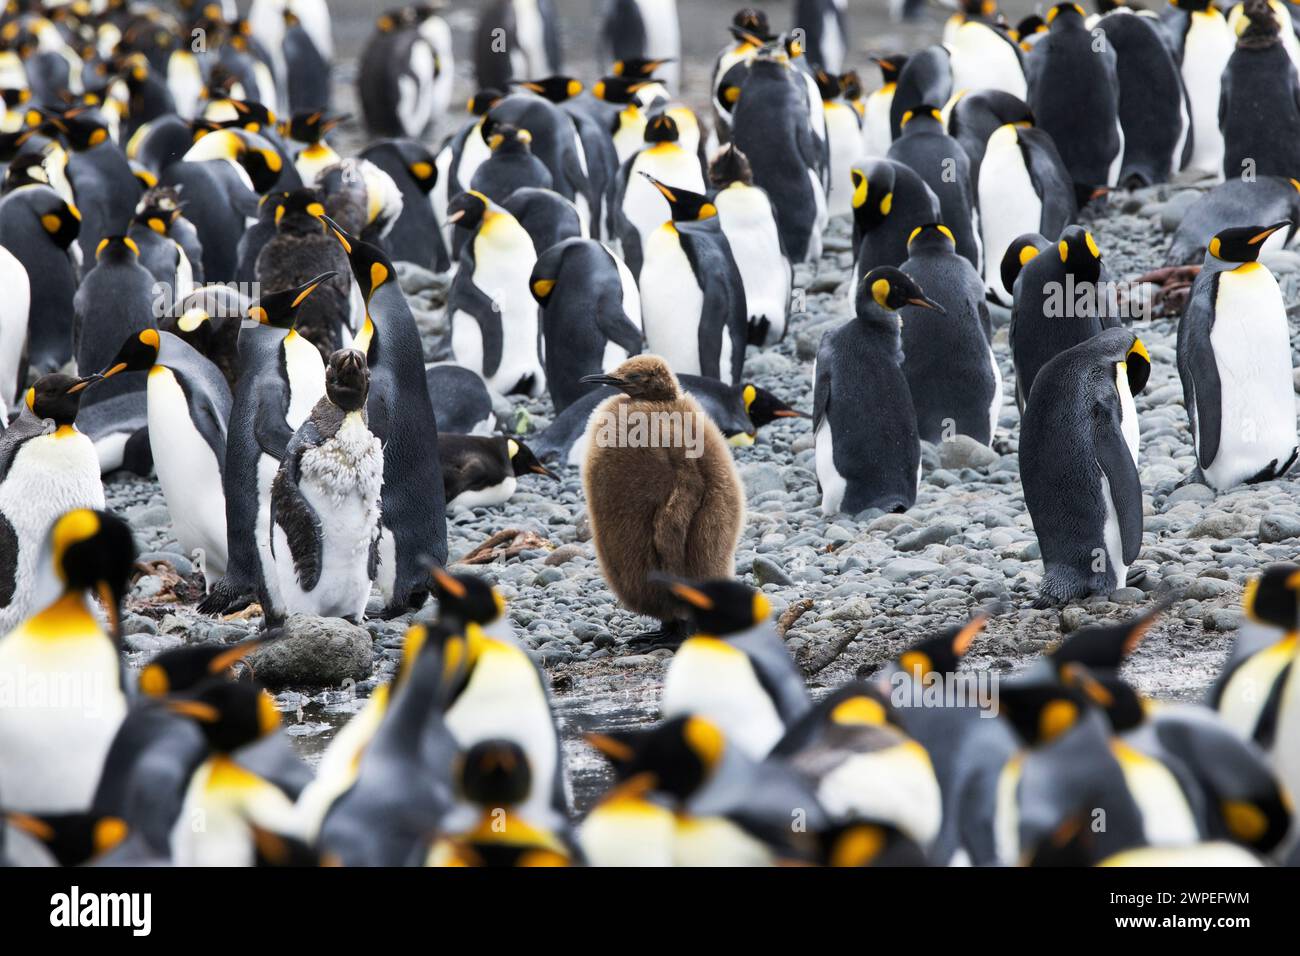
x=474, y=302
x=1202, y=392
x=1051, y=180
x=8, y=561
x=1116, y=463
x=292, y=512
x=710, y=255
x=23, y=428
x=821, y=392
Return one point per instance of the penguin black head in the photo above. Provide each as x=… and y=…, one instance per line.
x=280, y=309
x=81, y=129
x=720, y=607
x=484, y=100
x=661, y=129
x=1271, y=597
x=1019, y=254
x=465, y=598
x=347, y=379
x=620, y=90
x=677, y=757
x=251, y=116
x=467, y=210
x=506, y=139
x=730, y=166
x=763, y=407
x=646, y=377
x=924, y=116
x=230, y=714
x=26, y=168
x=873, y=194
x=57, y=396
x=61, y=220
x=370, y=265
x=299, y=213
x=1068, y=14
x=137, y=354
x=183, y=668
x=1079, y=253
x=1104, y=646
x=94, y=551
x=1192, y=6
x=642, y=68
x=159, y=208
x=72, y=838
x=254, y=153
x=523, y=460
x=889, y=289
x=1137, y=366
x=933, y=236
x=1041, y=712
x=15, y=97
x=686, y=206
x=940, y=653
x=828, y=84
x=1243, y=243
x=312, y=127
x=495, y=773
x=752, y=26
x=1029, y=26
x=117, y=249
x=557, y=89
x=1122, y=705
x=891, y=64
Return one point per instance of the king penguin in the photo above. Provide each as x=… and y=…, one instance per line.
x=511, y=166
x=889, y=201
x=637, y=209
x=867, y=452
x=1259, y=107
x=483, y=470
x=644, y=30
x=877, y=134
x=925, y=146
x=1203, y=43
x=40, y=228
x=396, y=74
x=1078, y=464
x=1234, y=357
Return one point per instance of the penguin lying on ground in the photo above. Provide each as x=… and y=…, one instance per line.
x=461, y=400
x=479, y=470
x=1236, y=203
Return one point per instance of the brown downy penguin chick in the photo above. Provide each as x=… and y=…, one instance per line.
x=662, y=491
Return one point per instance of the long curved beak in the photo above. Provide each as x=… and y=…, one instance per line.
x=84, y=382
x=925, y=302
x=540, y=469
x=602, y=379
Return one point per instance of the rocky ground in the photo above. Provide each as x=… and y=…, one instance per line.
x=865, y=585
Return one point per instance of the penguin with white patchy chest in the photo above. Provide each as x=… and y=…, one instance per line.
x=415, y=236
x=396, y=72
x=1023, y=187
x=1074, y=93
x=591, y=312
x=735, y=669
x=1154, y=112
x=972, y=117
x=483, y=470
x=1233, y=355
x=1259, y=106
x=281, y=379
x=1202, y=43
x=643, y=30
x=325, y=500
x=877, y=134
x=494, y=318
x=189, y=408
x=1236, y=202
x=461, y=400
x=546, y=216
x=516, y=39
x=890, y=200
x=413, y=508
x=771, y=125
x=53, y=749
x=511, y=166
x=39, y=229
x=867, y=451
x=1078, y=464
x=1062, y=297
x=948, y=359
x=636, y=209
x=826, y=28
x=47, y=467
x=924, y=145
x=692, y=295
x=748, y=220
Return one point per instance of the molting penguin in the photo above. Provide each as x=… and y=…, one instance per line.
x=937, y=158
x=868, y=454
x=748, y=220
x=1203, y=43
x=591, y=315
x=479, y=470
x=325, y=500
x=511, y=166
x=644, y=30
x=189, y=407
x=47, y=467
x=39, y=228
x=53, y=750
x=493, y=316
x=1061, y=299
x=692, y=295
x=1074, y=93
x=735, y=669
x=281, y=379
x=1233, y=357
x=688, y=507
x=415, y=524
x=948, y=359
x=1259, y=107
x=1078, y=464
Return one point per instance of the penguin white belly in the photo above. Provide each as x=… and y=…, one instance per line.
x=414, y=90
x=671, y=303
x=833, y=483
x=472, y=155
x=1167, y=820
x=188, y=472
x=440, y=195
x=467, y=341
x=1207, y=47
x=833, y=43
x=628, y=833
x=995, y=409
x=387, y=579
x=56, y=732
x=1286, y=746
x=266, y=469
x=1008, y=204
x=896, y=784
x=1006, y=812
x=50, y=475
x=529, y=33
x=185, y=82
x=981, y=59
x=14, y=311
x=504, y=699
x=436, y=31
x=1246, y=693
x=711, y=678
x=820, y=218
x=1252, y=351
x=306, y=375
x=504, y=257
x=846, y=149
x=221, y=801
x=746, y=216
x=663, y=38
x=644, y=206
x=1113, y=538
x=631, y=294
x=876, y=136
x=716, y=841
x=484, y=497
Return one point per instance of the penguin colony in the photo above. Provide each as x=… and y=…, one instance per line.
x=200, y=286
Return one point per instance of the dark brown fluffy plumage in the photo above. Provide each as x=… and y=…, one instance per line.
x=655, y=509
